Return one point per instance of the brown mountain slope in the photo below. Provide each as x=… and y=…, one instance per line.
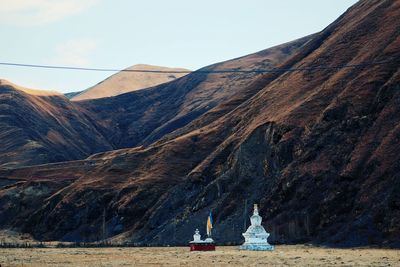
x=144, y=116
x=116, y=122
x=317, y=149
x=40, y=127
x=128, y=81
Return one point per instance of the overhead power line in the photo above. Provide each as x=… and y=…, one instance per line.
x=274, y=70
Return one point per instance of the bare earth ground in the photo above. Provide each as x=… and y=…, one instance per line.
x=180, y=256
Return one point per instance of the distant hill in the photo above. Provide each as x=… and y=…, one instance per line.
x=30, y=91
x=128, y=81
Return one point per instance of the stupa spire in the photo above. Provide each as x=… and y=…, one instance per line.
x=255, y=212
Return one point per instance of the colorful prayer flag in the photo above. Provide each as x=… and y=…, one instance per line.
x=209, y=224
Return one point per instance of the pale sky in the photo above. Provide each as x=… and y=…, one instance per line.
x=120, y=33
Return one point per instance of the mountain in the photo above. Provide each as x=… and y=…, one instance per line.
x=316, y=148
x=41, y=127
x=173, y=104
x=128, y=80
x=144, y=116
x=86, y=127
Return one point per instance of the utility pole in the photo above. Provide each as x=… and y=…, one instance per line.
x=104, y=225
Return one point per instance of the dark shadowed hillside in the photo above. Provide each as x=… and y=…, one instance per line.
x=317, y=149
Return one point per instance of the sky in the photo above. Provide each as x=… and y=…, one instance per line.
x=119, y=33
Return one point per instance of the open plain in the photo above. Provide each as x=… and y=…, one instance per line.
x=297, y=255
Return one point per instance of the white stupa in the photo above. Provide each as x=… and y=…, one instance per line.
x=201, y=245
x=256, y=236
x=196, y=237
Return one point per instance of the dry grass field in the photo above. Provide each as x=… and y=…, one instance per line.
x=180, y=256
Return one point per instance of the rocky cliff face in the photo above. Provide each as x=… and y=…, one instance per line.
x=316, y=149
